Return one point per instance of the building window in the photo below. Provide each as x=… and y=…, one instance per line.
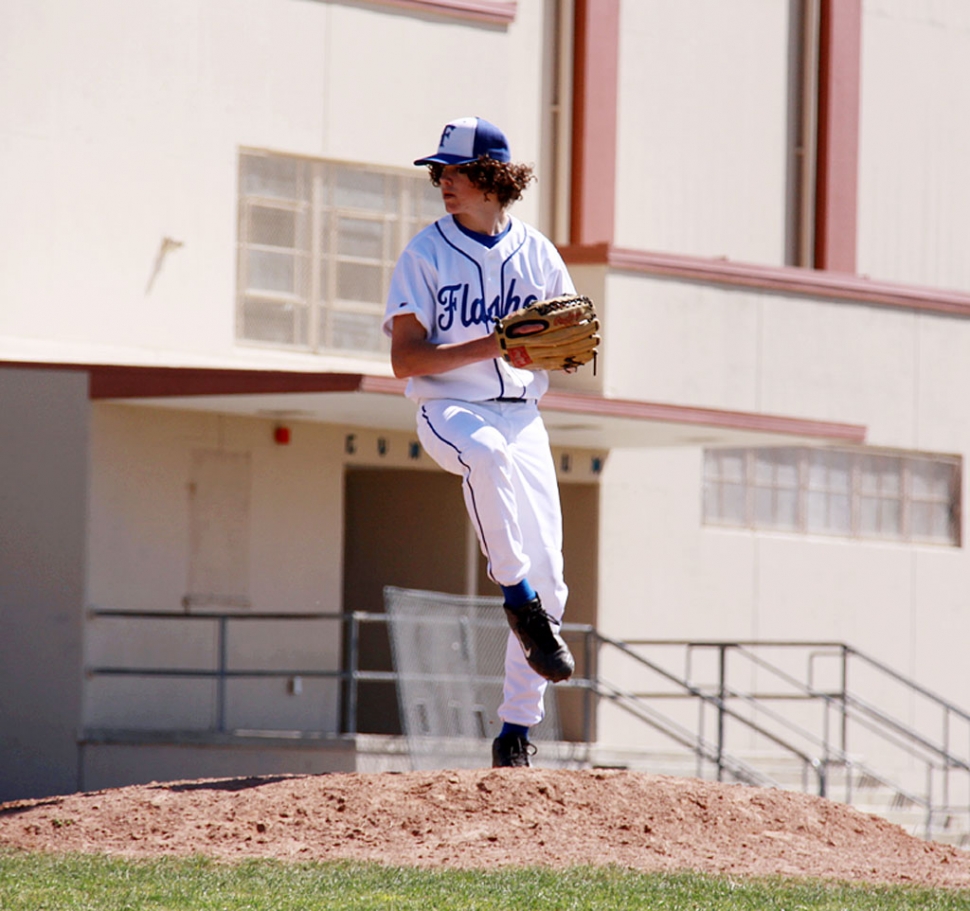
x=887, y=496
x=318, y=241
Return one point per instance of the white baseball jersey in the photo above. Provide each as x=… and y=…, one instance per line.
x=457, y=288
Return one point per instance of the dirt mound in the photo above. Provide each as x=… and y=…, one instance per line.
x=488, y=819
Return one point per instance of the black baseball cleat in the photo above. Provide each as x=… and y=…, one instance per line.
x=511, y=751
x=547, y=653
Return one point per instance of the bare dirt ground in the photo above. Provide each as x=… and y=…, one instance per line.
x=488, y=819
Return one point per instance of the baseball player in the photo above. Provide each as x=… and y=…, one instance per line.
x=478, y=416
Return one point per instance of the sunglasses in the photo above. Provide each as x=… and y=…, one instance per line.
x=438, y=169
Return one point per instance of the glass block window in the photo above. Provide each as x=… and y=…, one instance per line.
x=318, y=241
x=849, y=493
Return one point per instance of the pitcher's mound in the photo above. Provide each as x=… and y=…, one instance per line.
x=488, y=819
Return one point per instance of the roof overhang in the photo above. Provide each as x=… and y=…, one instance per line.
x=361, y=400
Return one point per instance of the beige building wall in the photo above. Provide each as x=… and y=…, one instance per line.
x=665, y=574
x=123, y=127
x=914, y=187
x=43, y=505
x=192, y=512
x=748, y=350
x=703, y=128
x=145, y=465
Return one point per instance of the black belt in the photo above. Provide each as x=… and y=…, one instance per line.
x=503, y=399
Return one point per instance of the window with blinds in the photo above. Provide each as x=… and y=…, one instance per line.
x=859, y=494
x=318, y=241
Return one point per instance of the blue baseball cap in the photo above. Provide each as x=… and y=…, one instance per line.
x=465, y=139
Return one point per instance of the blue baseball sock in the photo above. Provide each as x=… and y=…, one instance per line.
x=519, y=729
x=518, y=594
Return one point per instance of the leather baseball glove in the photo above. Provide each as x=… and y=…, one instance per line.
x=555, y=334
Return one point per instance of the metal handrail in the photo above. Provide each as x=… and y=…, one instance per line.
x=937, y=756
x=807, y=690
x=851, y=707
x=883, y=721
x=724, y=713
x=700, y=746
x=909, y=684
x=221, y=673
x=350, y=675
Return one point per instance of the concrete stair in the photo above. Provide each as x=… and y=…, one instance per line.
x=864, y=792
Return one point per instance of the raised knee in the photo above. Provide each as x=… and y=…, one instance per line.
x=487, y=449
x=481, y=457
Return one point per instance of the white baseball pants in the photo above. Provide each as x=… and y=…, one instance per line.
x=501, y=451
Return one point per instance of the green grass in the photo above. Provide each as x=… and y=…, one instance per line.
x=33, y=882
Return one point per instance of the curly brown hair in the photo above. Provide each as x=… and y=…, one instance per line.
x=505, y=180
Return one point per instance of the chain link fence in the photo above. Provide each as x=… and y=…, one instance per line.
x=449, y=657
